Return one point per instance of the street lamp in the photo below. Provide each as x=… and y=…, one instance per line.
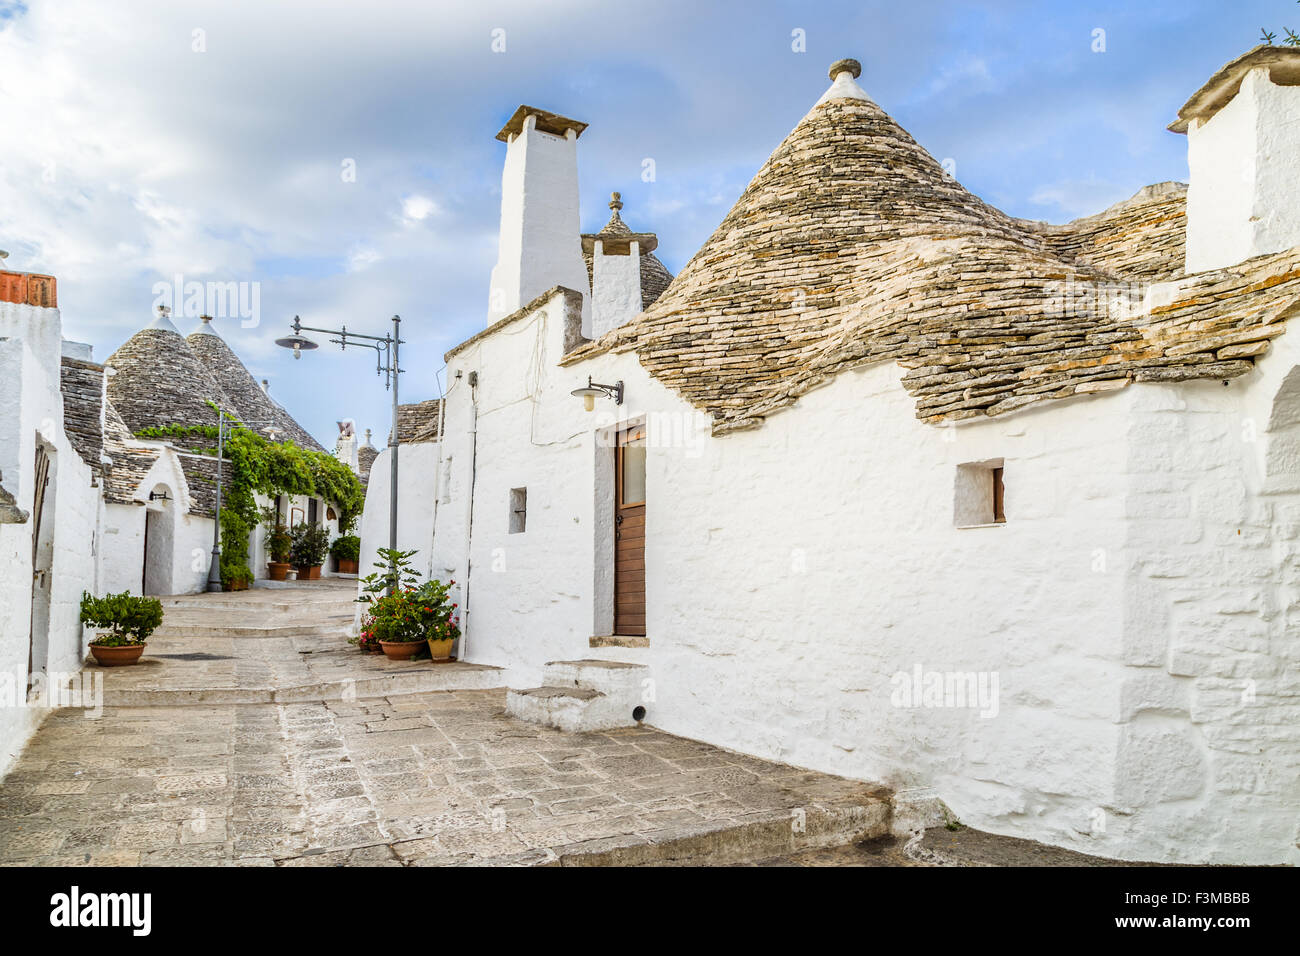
x=387, y=365
x=223, y=429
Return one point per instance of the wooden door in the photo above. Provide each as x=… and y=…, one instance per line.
x=40, y=576
x=629, y=532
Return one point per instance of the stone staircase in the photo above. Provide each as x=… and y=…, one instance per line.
x=584, y=695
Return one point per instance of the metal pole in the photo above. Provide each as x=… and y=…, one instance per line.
x=214, y=571
x=393, y=443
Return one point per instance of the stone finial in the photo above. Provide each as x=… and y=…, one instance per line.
x=205, y=319
x=849, y=65
x=367, y=436
x=615, y=201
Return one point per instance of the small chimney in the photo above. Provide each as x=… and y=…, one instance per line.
x=538, y=245
x=615, y=254
x=266, y=387
x=1243, y=152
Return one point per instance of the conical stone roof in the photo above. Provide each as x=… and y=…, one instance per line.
x=852, y=246
x=158, y=381
x=246, y=398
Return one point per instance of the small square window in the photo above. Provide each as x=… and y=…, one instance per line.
x=979, y=495
x=518, y=510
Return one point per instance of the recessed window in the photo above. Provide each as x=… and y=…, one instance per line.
x=979, y=494
x=518, y=510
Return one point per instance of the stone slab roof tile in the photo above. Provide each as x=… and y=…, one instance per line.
x=851, y=246
x=82, y=385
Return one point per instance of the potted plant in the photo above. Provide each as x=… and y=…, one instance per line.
x=394, y=573
x=307, y=553
x=279, y=543
x=346, y=551
x=410, y=618
x=129, y=620
x=394, y=622
x=440, y=617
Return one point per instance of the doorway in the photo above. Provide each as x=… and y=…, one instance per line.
x=629, y=531
x=38, y=641
x=158, y=532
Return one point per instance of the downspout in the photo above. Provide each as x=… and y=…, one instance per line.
x=437, y=476
x=469, y=524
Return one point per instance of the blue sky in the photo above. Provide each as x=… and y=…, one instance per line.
x=207, y=139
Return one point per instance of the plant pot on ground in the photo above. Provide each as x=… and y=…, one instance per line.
x=128, y=621
x=310, y=545
x=410, y=619
x=279, y=544
x=346, y=551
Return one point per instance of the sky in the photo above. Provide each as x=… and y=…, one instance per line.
x=338, y=160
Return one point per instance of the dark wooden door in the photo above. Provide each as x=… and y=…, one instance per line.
x=629, y=532
x=39, y=575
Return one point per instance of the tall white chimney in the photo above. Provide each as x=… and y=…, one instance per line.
x=1243, y=152
x=539, y=245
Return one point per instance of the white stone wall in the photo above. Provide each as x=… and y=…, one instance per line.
x=615, y=289
x=31, y=410
x=416, y=500
x=1245, y=177
x=795, y=569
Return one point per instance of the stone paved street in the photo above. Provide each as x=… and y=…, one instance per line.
x=442, y=777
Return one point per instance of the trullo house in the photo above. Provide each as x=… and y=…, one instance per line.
x=890, y=484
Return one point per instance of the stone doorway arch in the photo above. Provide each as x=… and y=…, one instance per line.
x=159, y=541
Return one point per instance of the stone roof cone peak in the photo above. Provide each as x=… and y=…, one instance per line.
x=844, y=82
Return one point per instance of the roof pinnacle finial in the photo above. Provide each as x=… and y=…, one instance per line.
x=846, y=65
x=615, y=201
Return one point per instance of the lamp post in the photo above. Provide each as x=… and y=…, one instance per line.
x=386, y=364
x=214, y=569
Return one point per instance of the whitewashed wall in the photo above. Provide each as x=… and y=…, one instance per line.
x=793, y=570
x=416, y=501
x=31, y=405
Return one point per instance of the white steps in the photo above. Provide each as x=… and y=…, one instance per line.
x=584, y=695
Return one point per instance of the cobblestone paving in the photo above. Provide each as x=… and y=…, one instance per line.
x=442, y=777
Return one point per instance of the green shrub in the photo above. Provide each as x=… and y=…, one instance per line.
x=346, y=548
x=310, y=545
x=412, y=614
x=129, y=619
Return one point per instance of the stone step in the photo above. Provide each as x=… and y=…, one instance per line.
x=571, y=709
x=182, y=631
x=613, y=678
x=768, y=835
x=187, y=617
x=458, y=676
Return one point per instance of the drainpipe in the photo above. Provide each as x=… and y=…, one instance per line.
x=437, y=475
x=469, y=524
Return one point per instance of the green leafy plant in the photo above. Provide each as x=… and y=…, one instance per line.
x=255, y=465
x=346, y=548
x=129, y=619
x=310, y=545
x=412, y=614
x=395, y=573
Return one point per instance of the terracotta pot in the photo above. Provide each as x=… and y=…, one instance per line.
x=278, y=570
x=400, y=650
x=309, y=574
x=441, y=650
x=347, y=567
x=116, y=656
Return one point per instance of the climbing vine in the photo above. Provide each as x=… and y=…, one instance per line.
x=253, y=465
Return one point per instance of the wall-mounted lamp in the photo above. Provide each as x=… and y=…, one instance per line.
x=593, y=390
